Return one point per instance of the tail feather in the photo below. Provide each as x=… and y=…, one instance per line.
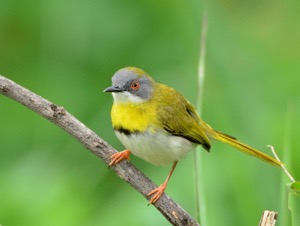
x=245, y=148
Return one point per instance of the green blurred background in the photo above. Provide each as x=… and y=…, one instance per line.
x=67, y=51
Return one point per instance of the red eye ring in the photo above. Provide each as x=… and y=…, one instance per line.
x=135, y=85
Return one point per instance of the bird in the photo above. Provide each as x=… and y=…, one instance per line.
x=159, y=125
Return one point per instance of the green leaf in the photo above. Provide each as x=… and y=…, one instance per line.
x=296, y=188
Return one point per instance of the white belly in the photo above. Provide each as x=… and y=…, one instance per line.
x=157, y=148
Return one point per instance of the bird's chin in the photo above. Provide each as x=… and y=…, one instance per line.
x=126, y=97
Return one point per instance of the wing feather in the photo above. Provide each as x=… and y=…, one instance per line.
x=178, y=117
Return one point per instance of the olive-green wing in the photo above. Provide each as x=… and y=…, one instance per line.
x=179, y=118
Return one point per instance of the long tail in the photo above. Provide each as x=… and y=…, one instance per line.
x=245, y=148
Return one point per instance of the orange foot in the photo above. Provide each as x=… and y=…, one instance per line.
x=118, y=157
x=160, y=190
x=157, y=193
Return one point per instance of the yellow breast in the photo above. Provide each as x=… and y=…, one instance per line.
x=133, y=117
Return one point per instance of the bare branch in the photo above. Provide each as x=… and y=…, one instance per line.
x=125, y=170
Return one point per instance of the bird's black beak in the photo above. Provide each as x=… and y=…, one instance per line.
x=113, y=89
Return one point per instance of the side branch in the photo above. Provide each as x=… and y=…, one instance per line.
x=125, y=170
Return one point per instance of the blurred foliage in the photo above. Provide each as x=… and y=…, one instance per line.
x=67, y=51
x=295, y=202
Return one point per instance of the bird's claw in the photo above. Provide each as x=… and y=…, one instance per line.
x=118, y=157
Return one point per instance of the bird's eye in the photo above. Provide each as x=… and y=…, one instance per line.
x=135, y=85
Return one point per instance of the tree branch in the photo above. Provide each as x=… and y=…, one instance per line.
x=125, y=170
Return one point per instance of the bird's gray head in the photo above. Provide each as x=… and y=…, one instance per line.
x=131, y=84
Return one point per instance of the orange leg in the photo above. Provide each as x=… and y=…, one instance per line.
x=118, y=157
x=160, y=190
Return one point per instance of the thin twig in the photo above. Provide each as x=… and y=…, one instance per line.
x=125, y=170
x=199, y=186
x=268, y=218
x=201, y=64
x=282, y=166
